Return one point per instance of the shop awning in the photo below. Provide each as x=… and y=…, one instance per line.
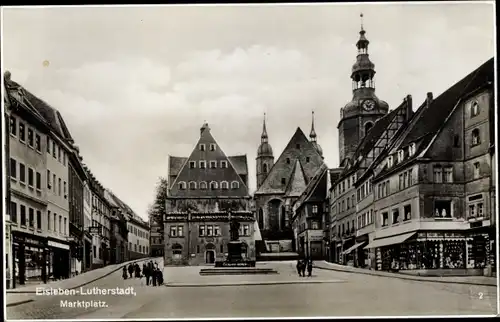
x=350, y=249
x=390, y=240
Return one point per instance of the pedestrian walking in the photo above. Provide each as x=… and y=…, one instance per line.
x=124, y=272
x=160, y=277
x=309, y=267
x=146, y=272
x=137, y=271
x=155, y=276
x=130, y=270
x=298, y=266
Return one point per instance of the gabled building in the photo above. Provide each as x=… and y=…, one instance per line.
x=206, y=191
x=118, y=229
x=281, y=183
x=432, y=187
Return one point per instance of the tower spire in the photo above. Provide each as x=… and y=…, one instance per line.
x=264, y=137
x=313, y=135
x=361, y=16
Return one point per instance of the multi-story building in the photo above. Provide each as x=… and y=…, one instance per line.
x=119, y=232
x=138, y=236
x=156, y=238
x=207, y=190
x=41, y=250
x=87, y=223
x=281, y=183
x=6, y=184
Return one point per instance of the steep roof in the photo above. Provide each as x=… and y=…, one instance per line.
x=298, y=148
x=16, y=92
x=318, y=181
x=297, y=182
x=239, y=163
x=187, y=174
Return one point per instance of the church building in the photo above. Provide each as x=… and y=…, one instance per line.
x=207, y=190
x=281, y=183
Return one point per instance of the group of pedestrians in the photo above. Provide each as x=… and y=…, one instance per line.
x=150, y=270
x=302, y=265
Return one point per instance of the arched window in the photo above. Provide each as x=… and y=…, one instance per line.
x=182, y=185
x=177, y=251
x=264, y=168
x=224, y=185
x=474, y=109
x=476, y=138
x=235, y=185
x=203, y=185
x=213, y=185
x=368, y=127
x=261, y=218
x=192, y=185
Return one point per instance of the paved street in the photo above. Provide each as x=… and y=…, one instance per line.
x=339, y=294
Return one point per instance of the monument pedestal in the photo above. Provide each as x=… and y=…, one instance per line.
x=234, y=251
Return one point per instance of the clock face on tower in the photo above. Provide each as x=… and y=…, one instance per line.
x=368, y=105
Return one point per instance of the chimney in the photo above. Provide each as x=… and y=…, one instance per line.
x=429, y=98
x=409, y=107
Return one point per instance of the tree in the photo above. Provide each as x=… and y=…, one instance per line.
x=157, y=209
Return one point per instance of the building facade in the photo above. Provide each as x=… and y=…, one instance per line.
x=138, y=237
x=207, y=190
x=87, y=223
x=281, y=183
x=119, y=232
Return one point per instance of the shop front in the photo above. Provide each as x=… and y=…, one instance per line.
x=30, y=259
x=481, y=249
x=58, y=261
x=347, y=254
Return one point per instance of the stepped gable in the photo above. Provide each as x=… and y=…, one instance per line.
x=187, y=174
x=297, y=182
x=298, y=148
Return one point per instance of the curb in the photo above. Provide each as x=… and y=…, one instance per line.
x=403, y=277
x=252, y=283
x=71, y=288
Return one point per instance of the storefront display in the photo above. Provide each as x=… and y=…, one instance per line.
x=477, y=256
x=453, y=254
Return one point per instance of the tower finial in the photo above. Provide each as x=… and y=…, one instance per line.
x=312, y=135
x=264, y=130
x=361, y=16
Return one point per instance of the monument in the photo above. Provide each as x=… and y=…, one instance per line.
x=234, y=246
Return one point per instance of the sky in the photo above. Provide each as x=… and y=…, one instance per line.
x=135, y=84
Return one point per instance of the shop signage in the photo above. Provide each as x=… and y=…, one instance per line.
x=95, y=230
x=235, y=264
x=26, y=240
x=315, y=238
x=58, y=245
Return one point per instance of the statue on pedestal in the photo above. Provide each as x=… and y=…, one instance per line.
x=234, y=229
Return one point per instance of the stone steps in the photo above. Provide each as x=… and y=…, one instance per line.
x=236, y=271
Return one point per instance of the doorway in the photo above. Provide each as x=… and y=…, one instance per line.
x=210, y=257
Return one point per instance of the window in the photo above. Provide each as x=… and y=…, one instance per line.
x=283, y=181
x=202, y=230
x=31, y=213
x=476, y=139
x=456, y=141
x=203, y=185
x=31, y=178
x=480, y=209
x=389, y=161
x=407, y=212
x=216, y=230
x=30, y=137
x=38, y=181
x=55, y=222
x=180, y=231
x=13, y=211
x=203, y=164
x=212, y=147
x=348, y=183
x=348, y=203
x=314, y=209
x=264, y=168
x=442, y=208
x=246, y=230
x=22, y=132
x=64, y=158
x=297, y=146
x=38, y=143
x=173, y=231
x=224, y=185
x=401, y=182
x=353, y=201
x=477, y=168
x=472, y=211
x=213, y=185
x=22, y=173
x=210, y=230
x=288, y=160
x=401, y=155
x=65, y=191
x=48, y=145
x=235, y=185
x=64, y=227
x=192, y=164
x=438, y=174
x=474, y=109
x=202, y=147
x=59, y=186
x=213, y=164
x=54, y=149
x=411, y=150
x=23, y=215
x=54, y=181
x=182, y=185
x=223, y=164
x=13, y=126
x=314, y=225
x=385, y=219
x=13, y=168
x=395, y=216
x=192, y=185
x=448, y=174
x=308, y=159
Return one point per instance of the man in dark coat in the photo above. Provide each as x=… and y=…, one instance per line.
x=309, y=267
x=130, y=270
x=146, y=272
x=155, y=276
x=124, y=273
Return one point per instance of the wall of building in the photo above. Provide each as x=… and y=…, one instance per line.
x=138, y=240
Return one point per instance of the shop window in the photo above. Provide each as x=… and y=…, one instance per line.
x=385, y=219
x=442, y=208
x=202, y=230
x=453, y=254
x=407, y=212
x=395, y=216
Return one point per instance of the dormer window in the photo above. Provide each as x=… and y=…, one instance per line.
x=202, y=147
x=411, y=149
x=474, y=109
x=203, y=185
x=213, y=185
x=182, y=185
x=192, y=164
x=223, y=164
x=203, y=164
x=192, y=185
x=389, y=161
x=235, y=185
x=213, y=164
x=224, y=185
x=401, y=156
x=212, y=147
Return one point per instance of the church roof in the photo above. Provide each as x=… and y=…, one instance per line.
x=181, y=168
x=299, y=148
x=297, y=182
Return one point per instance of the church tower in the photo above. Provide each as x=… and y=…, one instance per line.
x=358, y=116
x=265, y=158
x=314, y=138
